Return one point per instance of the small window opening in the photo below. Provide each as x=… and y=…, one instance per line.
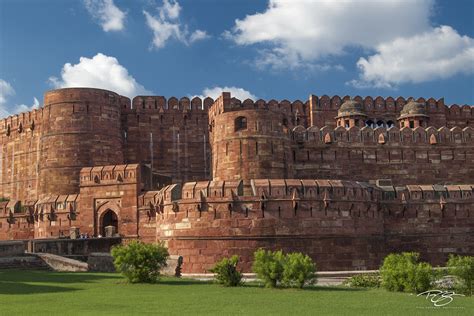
x=240, y=123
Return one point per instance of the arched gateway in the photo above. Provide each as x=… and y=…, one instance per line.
x=109, y=218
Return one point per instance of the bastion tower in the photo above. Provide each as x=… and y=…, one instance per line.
x=249, y=140
x=81, y=128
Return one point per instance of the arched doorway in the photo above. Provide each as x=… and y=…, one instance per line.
x=109, y=219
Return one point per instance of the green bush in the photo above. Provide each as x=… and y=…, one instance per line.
x=363, y=280
x=403, y=272
x=293, y=269
x=268, y=266
x=298, y=269
x=226, y=272
x=463, y=268
x=140, y=262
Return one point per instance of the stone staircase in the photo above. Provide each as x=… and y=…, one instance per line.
x=63, y=264
x=23, y=262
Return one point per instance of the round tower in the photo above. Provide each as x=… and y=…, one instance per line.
x=81, y=127
x=249, y=141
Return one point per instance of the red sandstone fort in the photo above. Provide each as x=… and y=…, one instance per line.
x=345, y=180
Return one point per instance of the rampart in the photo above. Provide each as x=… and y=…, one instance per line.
x=341, y=224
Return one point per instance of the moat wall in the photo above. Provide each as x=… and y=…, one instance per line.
x=343, y=225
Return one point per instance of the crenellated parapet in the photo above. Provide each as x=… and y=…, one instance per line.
x=160, y=104
x=110, y=175
x=21, y=123
x=385, y=136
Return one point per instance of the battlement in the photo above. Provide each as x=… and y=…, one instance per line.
x=226, y=103
x=306, y=189
x=112, y=174
x=20, y=123
x=160, y=104
x=380, y=105
x=384, y=136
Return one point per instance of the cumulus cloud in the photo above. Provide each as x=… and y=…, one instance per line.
x=437, y=54
x=100, y=71
x=295, y=33
x=107, y=14
x=166, y=25
x=236, y=92
x=6, y=91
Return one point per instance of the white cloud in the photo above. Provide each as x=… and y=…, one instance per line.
x=170, y=9
x=6, y=91
x=436, y=54
x=25, y=108
x=296, y=33
x=197, y=36
x=236, y=92
x=167, y=26
x=100, y=71
x=107, y=14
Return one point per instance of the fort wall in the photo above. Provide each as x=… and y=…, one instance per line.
x=341, y=224
x=171, y=134
x=406, y=156
x=271, y=146
x=43, y=150
x=80, y=162
x=19, y=155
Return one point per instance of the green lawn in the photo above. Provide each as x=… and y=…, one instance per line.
x=52, y=293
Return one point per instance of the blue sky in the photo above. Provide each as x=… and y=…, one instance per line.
x=278, y=49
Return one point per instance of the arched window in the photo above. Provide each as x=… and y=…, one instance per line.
x=390, y=124
x=369, y=123
x=240, y=123
x=380, y=123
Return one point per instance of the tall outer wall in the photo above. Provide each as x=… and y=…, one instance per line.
x=81, y=127
x=342, y=225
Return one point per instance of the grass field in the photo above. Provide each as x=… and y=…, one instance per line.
x=52, y=293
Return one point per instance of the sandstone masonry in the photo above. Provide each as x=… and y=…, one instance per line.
x=346, y=180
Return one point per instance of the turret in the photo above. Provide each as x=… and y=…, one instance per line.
x=351, y=113
x=81, y=127
x=249, y=140
x=413, y=115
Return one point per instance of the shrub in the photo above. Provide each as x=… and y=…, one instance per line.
x=293, y=269
x=463, y=268
x=298, y=269
x=140, y=262
x=268, y=266
x=363, y=280
x=403, y=272
x=226, y=272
